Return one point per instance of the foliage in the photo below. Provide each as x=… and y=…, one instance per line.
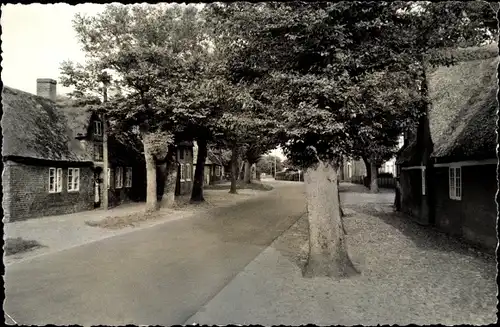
x=327, y=67
x=267, y=164
x=154, y=54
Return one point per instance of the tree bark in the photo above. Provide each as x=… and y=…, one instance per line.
x=368, y=170
x=151, y=192
x=168, y=200
x=373, y=177
x=199, y=174
x=327, y=247
x=105, y=186
x=342, y=214
x=248, y=172
x=234, y=169
x=257, y=173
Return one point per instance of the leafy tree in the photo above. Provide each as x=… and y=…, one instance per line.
x=315, y=62
x=244, y=126
x=152, y=53
x=267, y=164
x=254, y=151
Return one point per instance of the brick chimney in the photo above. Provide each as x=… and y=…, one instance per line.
x=46, y=87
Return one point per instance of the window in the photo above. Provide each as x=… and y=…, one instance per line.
x=423, y=181
x=73, y=179
x=189, y=172
x=217, y=171
x=183, y=173
x=109, y=177
x=97, y=127
x=98, y=152
x=128, y=177
x=119, y=177
x=181, y=154
x=455, y=183
x=55, y=180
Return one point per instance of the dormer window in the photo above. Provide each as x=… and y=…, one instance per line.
x=97, y=128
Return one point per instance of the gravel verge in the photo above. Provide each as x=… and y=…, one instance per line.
x=409, y=275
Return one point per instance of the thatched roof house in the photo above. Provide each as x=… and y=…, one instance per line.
x=37, y=128
x=53, y=152
x=448, y=167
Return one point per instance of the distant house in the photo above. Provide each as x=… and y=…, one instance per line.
x=447, y=167
x=214, y=165
x=52, y=157
x=353, y=171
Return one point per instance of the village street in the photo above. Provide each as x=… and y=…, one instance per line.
x=159, y=275
x=241, y=264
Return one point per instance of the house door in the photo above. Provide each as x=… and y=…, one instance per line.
x=97, y=189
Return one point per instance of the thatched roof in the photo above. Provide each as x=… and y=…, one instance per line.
x=35, y=127
x=218, y=157
x=78, y=116
x=463, y=107
x=407, y=154
x=463, y=110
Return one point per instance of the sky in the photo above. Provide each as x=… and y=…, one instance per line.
x=36, y=38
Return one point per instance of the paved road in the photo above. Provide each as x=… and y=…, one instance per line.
x=157, y=276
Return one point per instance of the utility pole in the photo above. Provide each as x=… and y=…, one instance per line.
x=275, y=167
x=105, y=166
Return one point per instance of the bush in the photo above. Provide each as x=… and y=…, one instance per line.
x=18, y=245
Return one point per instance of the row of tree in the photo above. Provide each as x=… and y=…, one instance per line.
x=323, y=80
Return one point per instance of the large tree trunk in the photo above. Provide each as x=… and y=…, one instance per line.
x=342, y=214
x=151, y=192
x=248, y=172
x=199, y=173
x=168, y=200
x=234, y=169
x=373, y=177
x=368, y=170
x=327, y=247
x=105, y=186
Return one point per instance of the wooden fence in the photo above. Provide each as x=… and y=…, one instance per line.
x=294, y=176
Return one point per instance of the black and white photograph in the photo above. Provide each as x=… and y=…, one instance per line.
x=250, y=163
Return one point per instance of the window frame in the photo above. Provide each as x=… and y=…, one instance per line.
x=424, y=181
x=109, y=178
x=97, y=127
x=455, y=182
x=182, y=174
x=57, y=180
x=189, y=172
x=119, y=177
x=97, y=150
x=128, y=177
x=217, y=171
x=71, y=185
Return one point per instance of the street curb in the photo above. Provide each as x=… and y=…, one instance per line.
x=242, y=270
